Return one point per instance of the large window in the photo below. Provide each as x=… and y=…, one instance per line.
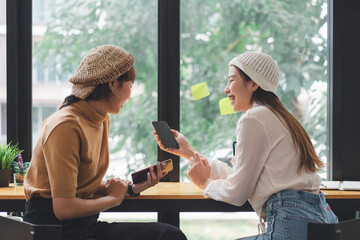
x=294, y=33
x=62, y=38
x=213, y=32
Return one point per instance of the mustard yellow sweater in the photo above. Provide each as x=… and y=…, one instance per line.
x=71, y=155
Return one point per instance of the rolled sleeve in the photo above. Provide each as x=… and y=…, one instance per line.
x=219, y=170
x=252, y=151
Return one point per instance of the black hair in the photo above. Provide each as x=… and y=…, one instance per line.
x=102, y=91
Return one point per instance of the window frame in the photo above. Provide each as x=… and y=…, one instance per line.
x=342, y=48
x=344, y=128
x=169, y=75
x=19, y=74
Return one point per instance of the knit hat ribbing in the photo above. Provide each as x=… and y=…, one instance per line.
x=101, y=65
x=260, y=67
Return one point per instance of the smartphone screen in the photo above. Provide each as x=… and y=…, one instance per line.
x=141, y=175
x=166, y=137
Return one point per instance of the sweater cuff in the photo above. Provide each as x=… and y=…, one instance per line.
x=207, y=190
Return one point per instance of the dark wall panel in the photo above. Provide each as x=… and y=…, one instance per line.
x=346, y=85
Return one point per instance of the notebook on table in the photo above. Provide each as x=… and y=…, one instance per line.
x=350, y=185
x=330, y=185
x=340, y=185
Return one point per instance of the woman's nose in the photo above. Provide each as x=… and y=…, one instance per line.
x=226, y=90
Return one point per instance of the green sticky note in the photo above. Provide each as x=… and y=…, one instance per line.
x=200, y=91
x=225, y=106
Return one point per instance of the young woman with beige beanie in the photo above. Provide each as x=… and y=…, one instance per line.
x=275, y=163
x=64, y=184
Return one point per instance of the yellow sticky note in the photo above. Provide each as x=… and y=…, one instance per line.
x=200, y=91
x=225, y=106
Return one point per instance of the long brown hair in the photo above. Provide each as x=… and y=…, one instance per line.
x=300, y=137
x=102, y=91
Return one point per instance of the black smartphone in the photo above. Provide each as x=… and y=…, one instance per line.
x=141, y=175
x=166, y=137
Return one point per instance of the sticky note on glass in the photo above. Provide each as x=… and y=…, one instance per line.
x=225, y=106
x=200, y=91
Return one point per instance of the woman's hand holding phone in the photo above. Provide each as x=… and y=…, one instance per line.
x=185, y=149
x=152, y=179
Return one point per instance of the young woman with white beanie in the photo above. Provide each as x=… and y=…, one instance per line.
x=275, y=163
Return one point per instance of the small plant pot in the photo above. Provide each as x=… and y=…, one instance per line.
x=19, y=179
x=5, y=177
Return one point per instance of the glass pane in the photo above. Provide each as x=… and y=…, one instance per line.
x=3, y=71
x=64, y=32
x=213, y=32
x=128, y=217
x=218, y=225
x=36, y=124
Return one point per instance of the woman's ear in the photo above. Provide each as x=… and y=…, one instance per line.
x=113, y=85
x=254, y=86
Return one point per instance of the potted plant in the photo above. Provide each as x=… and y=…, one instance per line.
x=7, y=155
x=20, y=168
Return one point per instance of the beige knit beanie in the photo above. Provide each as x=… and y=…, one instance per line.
x=260, y=67
x=101, y=65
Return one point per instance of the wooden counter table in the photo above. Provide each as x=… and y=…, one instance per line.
x=168, y=199
x=164, y=190
x=171, y=190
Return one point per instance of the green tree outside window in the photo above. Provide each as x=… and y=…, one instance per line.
x=212, y=32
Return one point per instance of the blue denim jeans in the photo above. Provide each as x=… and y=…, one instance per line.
x=289, y=211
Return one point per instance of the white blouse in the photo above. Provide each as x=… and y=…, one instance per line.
x=265, y=162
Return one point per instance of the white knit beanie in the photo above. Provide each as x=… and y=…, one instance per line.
x=260, y=67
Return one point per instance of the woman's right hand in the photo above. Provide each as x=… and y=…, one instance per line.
x=74, y=207
x=117, y=188
x=185, y=149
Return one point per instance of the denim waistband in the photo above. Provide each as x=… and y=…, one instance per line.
x=284, y=196
x=291, y=195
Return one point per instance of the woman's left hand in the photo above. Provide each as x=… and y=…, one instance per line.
x=199, y=171
x=152, y=179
